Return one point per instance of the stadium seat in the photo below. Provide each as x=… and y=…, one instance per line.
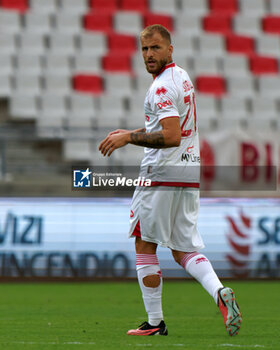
x=214, y=85
x=43, y=6
x=263, y=65
x=53, y=105
x=134, y=5
x=246, y=25
x=109, y=6
x=58, y=84
x=10, y=22
x=233, y=106
x=38, y=22
x=268, y=86
x=188, y=25
x=198, y=7
x=63, y=44
x=120, y=43
x=118, y=84
x=68, y=23
x=82, y=105
x=165, y=20
x=7, y=43
x=7, y=63
x=207, y=114
x=234, y=65
x=79, y=150
x=5, y=84
x=94, y=44
x=126, y=22
x=274, y=6
x=183, y=45
x=89, y=84
x=112, y=112
x=57, y=64
x=229, y=7
x=253, y=7
x=211, y=45
x=31, y=64
x=267, y=44
x=32, y=43
x=143, y=82
x=50, y=126
x=23, y=107
x=28, y=84
x=206, y=65
x=87, y=64
x=271, y=24
x=116, y=63
x=135, y=117
x=238, y=44
x=267, y=106
x=98, y=21
x=74, y=6
x=216, y=23
x=16, y=5
x=166, y=7
x=242, y=86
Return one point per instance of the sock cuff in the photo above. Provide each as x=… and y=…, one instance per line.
x=187, y=257
x=146, y=259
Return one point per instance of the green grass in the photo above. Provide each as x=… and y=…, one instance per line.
x=97, y=316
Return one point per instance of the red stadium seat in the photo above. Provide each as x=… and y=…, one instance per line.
x=240, y=44
x=122, y=43
x=115, y=62
x=134, y=5
x=17, y=5
x=213, y=85
x=217, y=24
x=99, y=21
x=263, y=65
x=224, y=7
x=271, y=24
x=109, y=6
x=166, y=21
x=91, y=84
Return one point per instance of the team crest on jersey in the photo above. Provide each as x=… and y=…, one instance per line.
x=187, y=86
x=161, y=91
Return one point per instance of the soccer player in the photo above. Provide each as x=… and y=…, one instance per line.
x=168, y=215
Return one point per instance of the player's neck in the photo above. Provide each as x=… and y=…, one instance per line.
x=162, y=69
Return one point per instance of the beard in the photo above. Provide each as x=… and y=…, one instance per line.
x=158, y=66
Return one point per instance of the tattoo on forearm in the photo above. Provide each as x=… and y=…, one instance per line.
x=152, y=140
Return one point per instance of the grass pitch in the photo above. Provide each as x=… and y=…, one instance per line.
x=97, y=315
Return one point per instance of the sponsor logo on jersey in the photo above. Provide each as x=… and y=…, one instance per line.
x=164, y=104
x=161, y=91
x=187, y=86
x=188, y=156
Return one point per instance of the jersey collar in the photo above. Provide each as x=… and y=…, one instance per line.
x=169, y=65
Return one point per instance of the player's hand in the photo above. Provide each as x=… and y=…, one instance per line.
x=115, y=139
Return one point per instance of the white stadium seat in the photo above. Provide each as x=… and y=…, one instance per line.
x=269, y=86
x=28, y=84
x=242, y=86
x=94, y=44
x=7, y=43
x=32, y=43
x=196, y=7
x=38, y=22
x=249, y=7
x=207, y=112
x=43, y=6
x=268, y=45
x=245, y=25
x=6, y=63
x=58, y=84
x=9, y=22
x=84, y=63
x=74, y=6
x=53, y=105
x=183, y=45
x=118, y=84
x=23, y=107
x=206, y=65
x=112, y=112
x=265, y=106
x=68, y=23
x=58, y=64
x=234, y=106
x=82, y=105
x=275, y=6
x=5, y=84
x=187, y=24
x=80, y=150
x=165, y=7
x=211, y=45
x=126, y=22
x=27, y=63
x=63, y=44
x=235, y=65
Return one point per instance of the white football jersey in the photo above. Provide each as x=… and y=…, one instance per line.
x=171, y=95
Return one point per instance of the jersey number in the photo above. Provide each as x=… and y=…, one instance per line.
x=190, y=101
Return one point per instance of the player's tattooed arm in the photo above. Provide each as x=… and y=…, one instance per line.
x=152, y=140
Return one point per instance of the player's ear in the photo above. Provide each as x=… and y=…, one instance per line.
x=170, y=49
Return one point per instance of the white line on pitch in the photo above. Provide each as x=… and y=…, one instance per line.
x=242, y=346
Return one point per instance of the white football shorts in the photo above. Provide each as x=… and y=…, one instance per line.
x=167, y=216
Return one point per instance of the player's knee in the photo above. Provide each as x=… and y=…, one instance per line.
x=151, y=281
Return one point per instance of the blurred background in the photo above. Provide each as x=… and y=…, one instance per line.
x=71, y=71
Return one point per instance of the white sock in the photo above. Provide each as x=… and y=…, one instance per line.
x=198, y=266
x=146, y=265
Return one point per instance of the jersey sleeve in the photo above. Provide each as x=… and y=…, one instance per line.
x=165, y=101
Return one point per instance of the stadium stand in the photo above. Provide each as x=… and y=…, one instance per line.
x=67, y=64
